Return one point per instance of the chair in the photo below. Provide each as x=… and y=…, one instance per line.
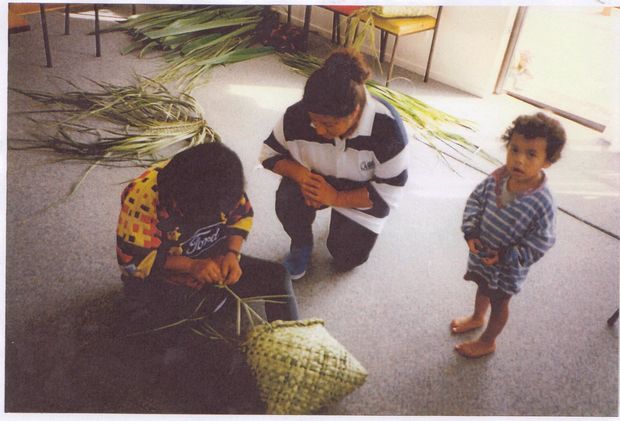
x=17, y=10
x=402, y=27
x=397, y=26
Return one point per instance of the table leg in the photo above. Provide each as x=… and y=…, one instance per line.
x=46, y=41
x=306, y=30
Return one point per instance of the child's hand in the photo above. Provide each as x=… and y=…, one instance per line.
x=487, y=256
x=492, y=257
x=206, y=271
x=474, y=245
x=231, y=271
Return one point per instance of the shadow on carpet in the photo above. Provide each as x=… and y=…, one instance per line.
x=82, y=360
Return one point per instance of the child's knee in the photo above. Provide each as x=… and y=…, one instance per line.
x=500, y=300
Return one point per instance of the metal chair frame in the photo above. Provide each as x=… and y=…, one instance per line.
x=383, y=40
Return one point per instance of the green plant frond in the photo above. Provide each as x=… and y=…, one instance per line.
x=195, y=40
x=135, y=45
x=198, y=28
x=201, y=42
x=144, y=120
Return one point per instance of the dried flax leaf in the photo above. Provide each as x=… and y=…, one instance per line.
x=135, y=125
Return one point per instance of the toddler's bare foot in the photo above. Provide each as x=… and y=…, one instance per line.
x=465, y=324
x=475, y=349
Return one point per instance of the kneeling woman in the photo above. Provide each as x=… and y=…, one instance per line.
x=338, y=147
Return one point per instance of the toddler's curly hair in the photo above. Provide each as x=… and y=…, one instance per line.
x=539, y=125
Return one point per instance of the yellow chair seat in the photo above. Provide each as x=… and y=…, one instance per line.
x=404, y=26
x=397, y=26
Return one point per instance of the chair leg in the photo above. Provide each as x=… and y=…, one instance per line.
x=306, y=30
x=46, y=41
x=430, y=53
x=334, y=27
x=338, y=32
x=66, y=19
x=97, y=34
x=391, y=68
x=384, y=38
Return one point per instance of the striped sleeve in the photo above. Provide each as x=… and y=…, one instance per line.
x=392, y=161
x=239, y=221
x=274, y=147
x=474, y=208
x=539, y=238
x=386, y=188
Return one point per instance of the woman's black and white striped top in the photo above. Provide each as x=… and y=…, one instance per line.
x=374, y=156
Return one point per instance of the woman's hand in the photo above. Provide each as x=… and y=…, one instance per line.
x=316, y=189
x=312, y=203
x=230, y=269
x=206, y=271
x=302, y=175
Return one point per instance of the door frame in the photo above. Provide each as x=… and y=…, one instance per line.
x=503, y=72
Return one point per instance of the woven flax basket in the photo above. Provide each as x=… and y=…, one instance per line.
x=300, y=367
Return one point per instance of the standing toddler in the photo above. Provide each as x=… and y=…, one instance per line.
x=509, y=224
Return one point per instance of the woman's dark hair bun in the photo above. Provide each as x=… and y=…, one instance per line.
x=337, y=88
x=347, y=65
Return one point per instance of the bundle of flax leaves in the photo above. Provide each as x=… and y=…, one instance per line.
x=298, y=366
x=429, y=123
x=143, y=123
x=116, y=125
x=196, y=39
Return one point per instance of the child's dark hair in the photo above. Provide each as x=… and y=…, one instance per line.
x=338, y=87
x=539, y=125
x=202, y=180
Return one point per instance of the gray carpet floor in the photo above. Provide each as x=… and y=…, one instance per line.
x=556, y=356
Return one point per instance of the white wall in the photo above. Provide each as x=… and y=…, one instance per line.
x=471, y=42
x=470, y=46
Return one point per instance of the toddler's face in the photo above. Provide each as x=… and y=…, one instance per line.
x=526, y=158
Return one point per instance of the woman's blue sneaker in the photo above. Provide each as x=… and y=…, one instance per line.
x=297, y=261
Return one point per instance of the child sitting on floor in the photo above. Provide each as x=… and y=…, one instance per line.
x=181, y=227
x=509, y=224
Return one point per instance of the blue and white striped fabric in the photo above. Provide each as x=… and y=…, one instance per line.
x=374, y=156
x=522, y=231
